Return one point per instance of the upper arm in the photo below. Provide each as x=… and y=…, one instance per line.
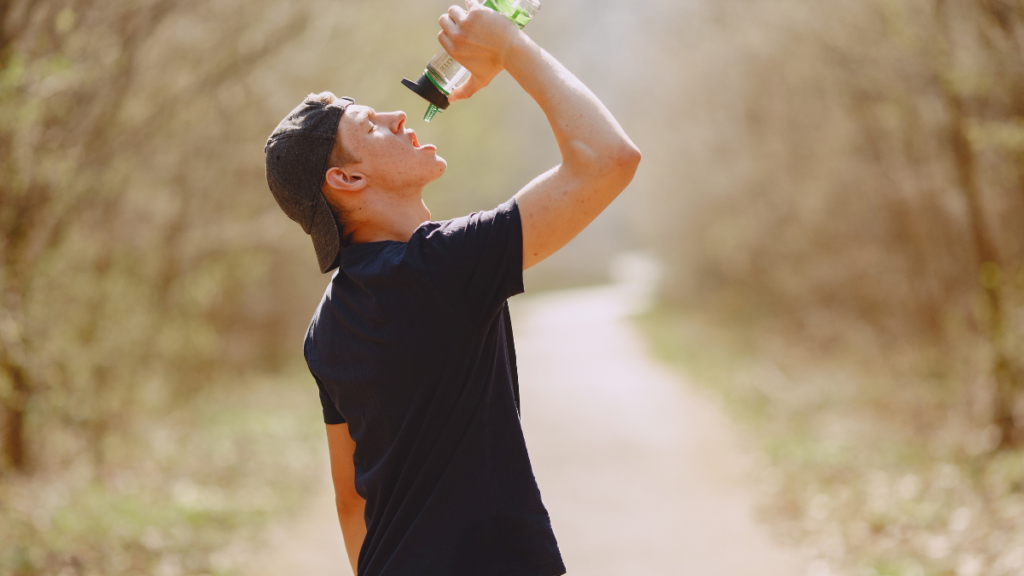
x=559, y=204
x=342, y=447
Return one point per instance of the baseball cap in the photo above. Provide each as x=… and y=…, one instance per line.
x=297, y=154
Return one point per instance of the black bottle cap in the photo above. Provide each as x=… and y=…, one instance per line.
x=426, y=89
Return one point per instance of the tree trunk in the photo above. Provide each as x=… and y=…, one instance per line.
x=14, y=366
x=14, y=445
x=990, y=267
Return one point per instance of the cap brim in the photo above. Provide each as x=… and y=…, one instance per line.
x=324, y=232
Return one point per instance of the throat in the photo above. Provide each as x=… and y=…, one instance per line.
x=388, y=220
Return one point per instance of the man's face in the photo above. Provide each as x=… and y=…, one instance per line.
x=389, y=154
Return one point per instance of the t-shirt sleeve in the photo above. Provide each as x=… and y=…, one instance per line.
x=331, y=414
x=476, y=261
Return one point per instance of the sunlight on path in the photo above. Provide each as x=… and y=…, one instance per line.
x=640, y=474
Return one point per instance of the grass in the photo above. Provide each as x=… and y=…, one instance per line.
x=186, y=488
x=878, y=466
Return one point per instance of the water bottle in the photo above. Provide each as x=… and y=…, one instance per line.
x=444, y=74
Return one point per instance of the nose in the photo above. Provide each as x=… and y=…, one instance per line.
x=396, y=121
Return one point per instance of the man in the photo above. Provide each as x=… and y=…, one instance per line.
x=411, y=346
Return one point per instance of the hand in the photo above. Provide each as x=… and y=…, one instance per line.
x=481, y=40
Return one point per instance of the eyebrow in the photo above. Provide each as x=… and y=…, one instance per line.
x=363, y=115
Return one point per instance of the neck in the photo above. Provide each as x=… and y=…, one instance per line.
x=388, y=215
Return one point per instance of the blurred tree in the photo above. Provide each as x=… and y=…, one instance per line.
x=116, y=270
x=862, y=182
x=992, y=28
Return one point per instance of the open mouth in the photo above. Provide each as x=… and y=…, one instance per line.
x=415, y=141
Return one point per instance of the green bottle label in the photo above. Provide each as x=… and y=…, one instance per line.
x=517, y=15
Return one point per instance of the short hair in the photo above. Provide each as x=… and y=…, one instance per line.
x=339, y=158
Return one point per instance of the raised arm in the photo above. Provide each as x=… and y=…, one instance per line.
x=598, y=159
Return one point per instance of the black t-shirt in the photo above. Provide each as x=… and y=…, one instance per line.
x=412, y=346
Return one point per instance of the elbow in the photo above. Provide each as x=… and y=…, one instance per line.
x=629, y=158
x=616, y=162
x=624, y=162
x=622, y=157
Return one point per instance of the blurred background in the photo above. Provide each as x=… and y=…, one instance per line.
x=834, y=191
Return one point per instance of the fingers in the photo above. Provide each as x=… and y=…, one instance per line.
x=472, y=86
x=448, y=26
x=446, y=42
x=457, y=14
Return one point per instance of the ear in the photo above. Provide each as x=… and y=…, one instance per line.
x=345, y=179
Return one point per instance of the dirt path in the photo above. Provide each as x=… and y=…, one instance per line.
x=641, y=475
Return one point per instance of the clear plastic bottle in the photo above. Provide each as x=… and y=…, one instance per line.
x=443, y=74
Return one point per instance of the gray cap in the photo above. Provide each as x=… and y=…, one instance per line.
x=298, y=151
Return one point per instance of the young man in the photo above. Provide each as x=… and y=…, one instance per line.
x=411, y=346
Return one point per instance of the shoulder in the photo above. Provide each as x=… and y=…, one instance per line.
x=440, y=231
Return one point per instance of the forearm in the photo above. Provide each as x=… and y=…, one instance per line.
x=586, y=132
x=598, y=159
x=353, y=530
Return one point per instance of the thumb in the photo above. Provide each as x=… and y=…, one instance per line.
x=474, y=84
